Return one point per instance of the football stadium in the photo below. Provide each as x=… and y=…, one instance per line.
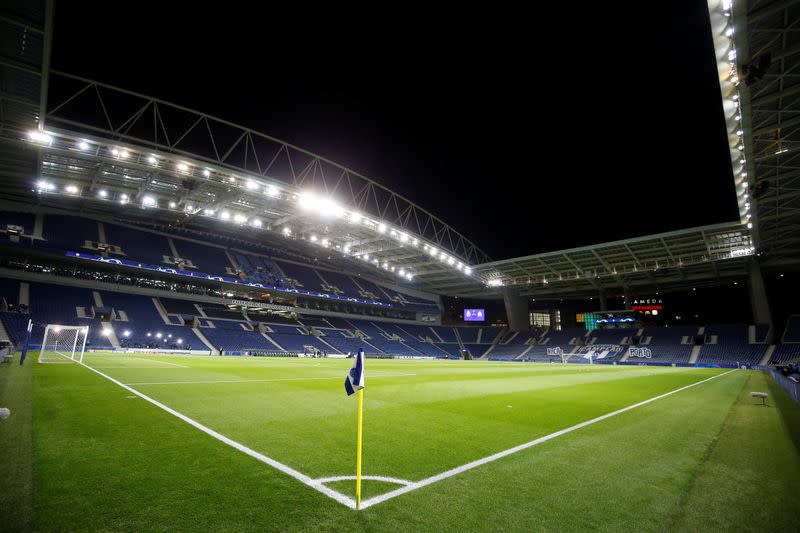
x=206, y=328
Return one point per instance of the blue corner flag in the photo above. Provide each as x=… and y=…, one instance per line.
x=355, y=378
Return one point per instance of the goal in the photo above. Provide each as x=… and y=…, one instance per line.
x=63, y=344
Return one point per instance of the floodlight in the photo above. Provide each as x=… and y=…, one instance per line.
x=497, y=282
x=287, y=231
x=382, y=227
x=239, y=218
x=159, y=335
x=148, y=201
x=313, y=238
x=180, y=341
x=72, y=189
x=225, y=215
x=173, y=205
x=366, y=257
x=355, y=217
x=252, y=185
x=182, y=167
x=450, y=261
x=467, y=271
x=347, y=249
x=749, y=225
x=403, y=237
x=107, y=331
x=126, y=333
x=402, y=272
x=209, y=212
x=40, y=137
x=409, y=276
x=257, y=222
x=83, y=145
x=123, y=199
x=152, y=160
x=325, y=242
x=272, y=191
x=149, y=334
x=102, y=193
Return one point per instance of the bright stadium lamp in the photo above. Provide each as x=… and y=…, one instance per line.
x=209, y=212
x=346, y=249
x=123, y=154
x=402, y=272
x=382, y=228
x=252, y=185
x=179, y=341
x=467, y=271
x=225, y=215
x=272, y=191
x=126, y=333
x=148, y=201
x=239, y=218
x=173, y=205
x=409, y=276
x=355, y=217
x=159, y=335
x=313, y=238
x=123, y=199
x=83, y=145
x=102, y=193
x=152, y=159
x=107, y=331
x=40, y=137
x=149, y=334
x=72, y=189
x=308, y=200
x=287, y=231
x=182, y=167
x=257, y=222
x=206, y=173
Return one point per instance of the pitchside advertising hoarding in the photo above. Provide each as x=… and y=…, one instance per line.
x=474, y=315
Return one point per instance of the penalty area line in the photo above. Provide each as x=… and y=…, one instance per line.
x=474, y=464
x=304, y=479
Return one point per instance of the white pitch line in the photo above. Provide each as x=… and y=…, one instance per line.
x=474, y=464
x=151, y=361
x=251, y=380
x=394, y=480
x=306, y=480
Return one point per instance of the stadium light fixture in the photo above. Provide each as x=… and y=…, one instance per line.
x=467, y=271
x=225, y=215
x=57, y=329
x=179, y=341
x=206, y=173
x=313, y=238
x=402, y=272
x=173, y=205
x=272, y=191
x=403, y=237
x=239, y=218
x=496, y=282
x=257, y=222
x=749, y=225
x=102, y=193
x=330, y=208
x=83, y=145
x=182, y=167
x=169, y=336
x=107, y=331
x=126, y=333
x=209, y=212
x=190, y=207
x=40, y=137
x=366, y=257
x=326, y=242
x=72, y=189
x=252, y=185
x=149, y=334
x=450, y=261
x=159, y=335
x=355, y=217
x=382, y=228
x=115, y=152
x=287, y=231
x=123, y=199
x=149, y=201
x=415, y=242
x=346, y=249
x=152, y=159
x=409, y=276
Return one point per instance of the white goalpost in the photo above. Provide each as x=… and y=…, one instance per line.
x=63, y=344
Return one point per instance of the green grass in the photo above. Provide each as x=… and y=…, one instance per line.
x=105, y=460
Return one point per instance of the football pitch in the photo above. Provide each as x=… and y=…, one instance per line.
x=184, y=443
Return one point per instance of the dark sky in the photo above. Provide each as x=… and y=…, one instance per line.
x=557, y=127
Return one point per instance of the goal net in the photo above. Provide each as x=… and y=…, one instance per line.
x=63, y=344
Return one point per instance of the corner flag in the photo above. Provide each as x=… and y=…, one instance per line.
x=355, y=382
x=355, y=378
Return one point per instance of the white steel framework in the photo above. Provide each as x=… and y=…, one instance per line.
x=63, y=344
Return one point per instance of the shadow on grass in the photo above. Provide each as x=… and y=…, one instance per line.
x=789, y=410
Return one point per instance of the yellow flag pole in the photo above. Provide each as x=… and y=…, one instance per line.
x=358, y=448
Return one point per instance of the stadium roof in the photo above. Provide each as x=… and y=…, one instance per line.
x=105, y=150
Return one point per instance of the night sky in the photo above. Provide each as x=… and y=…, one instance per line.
x=523, y=141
